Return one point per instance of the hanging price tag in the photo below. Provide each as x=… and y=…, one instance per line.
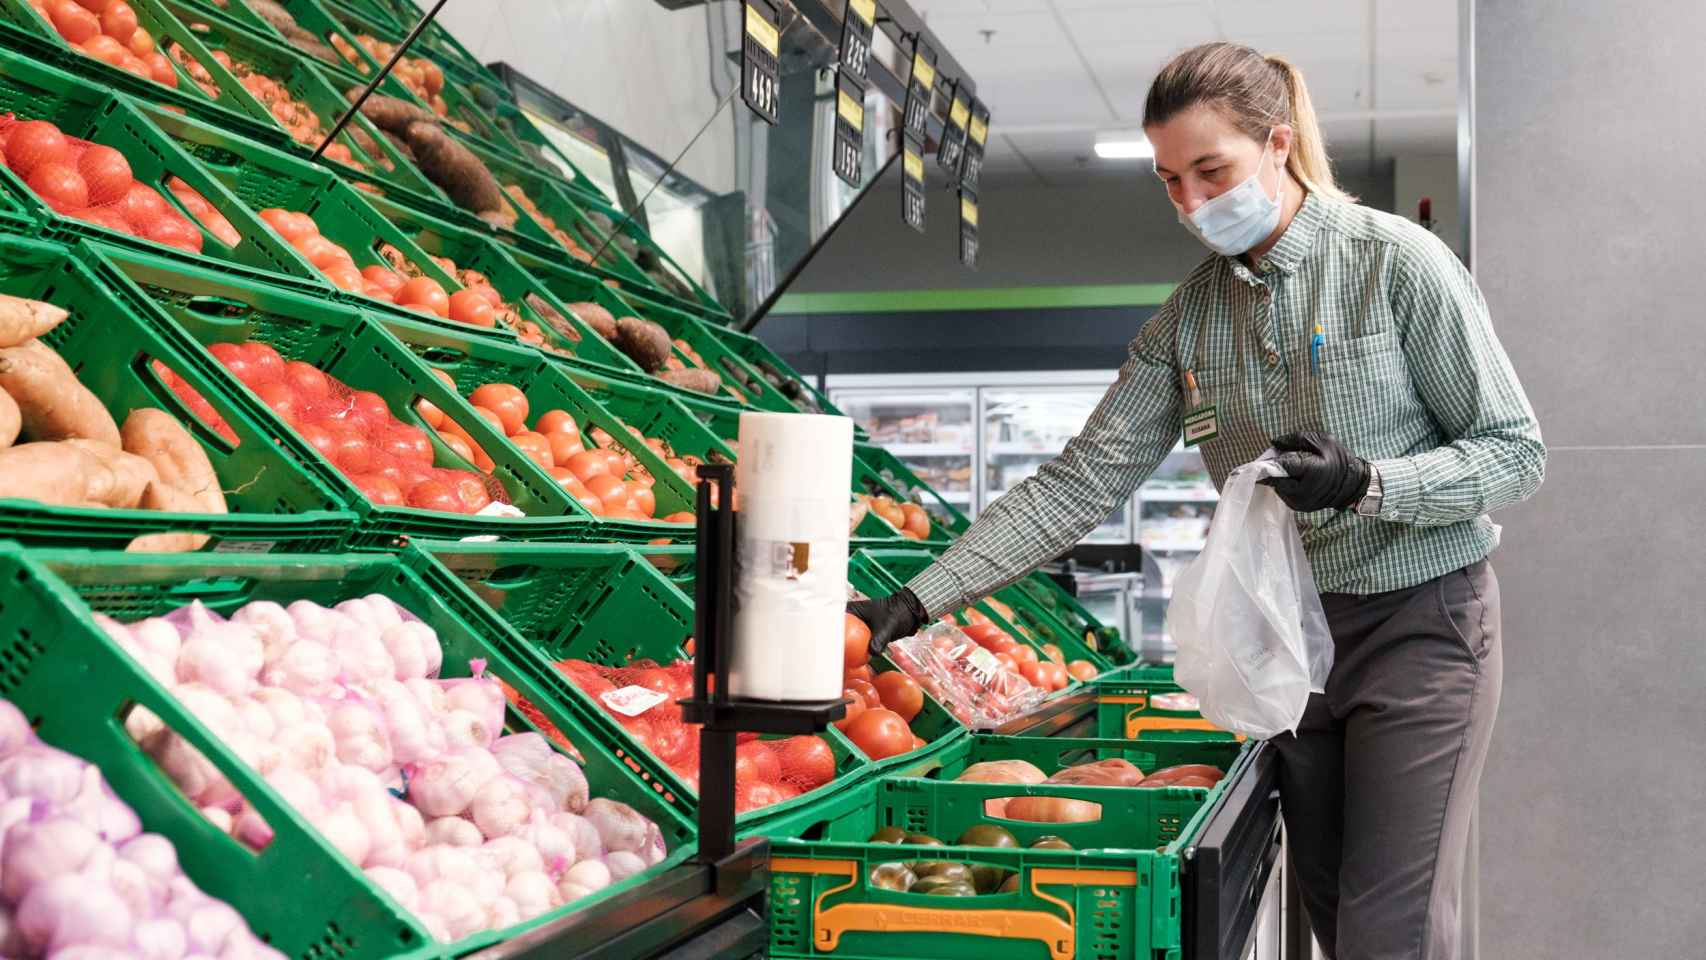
x=968, y=228
x=912, y=184
x=919, y=90
x=977, y=134
x=952, y=150
x=760, y=63
x=856, y=27
x=849, y=129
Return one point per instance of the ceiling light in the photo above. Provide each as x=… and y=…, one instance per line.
x=1125, y=147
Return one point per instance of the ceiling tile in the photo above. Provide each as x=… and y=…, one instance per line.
x=1293, y=17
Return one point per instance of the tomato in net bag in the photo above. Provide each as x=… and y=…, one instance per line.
x=977, y=688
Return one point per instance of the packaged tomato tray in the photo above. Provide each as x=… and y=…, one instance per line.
x=965, y=677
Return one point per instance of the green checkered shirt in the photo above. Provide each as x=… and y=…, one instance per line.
x=1410, y=377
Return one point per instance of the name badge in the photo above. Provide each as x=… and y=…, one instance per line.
x=1201, y=425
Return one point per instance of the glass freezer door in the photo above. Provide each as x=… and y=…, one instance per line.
x=933, y=432
x=1025, y=427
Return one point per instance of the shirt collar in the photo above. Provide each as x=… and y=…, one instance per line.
x=1295, y=243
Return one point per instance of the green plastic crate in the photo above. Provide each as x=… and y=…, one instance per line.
x=33, y=91
x=198, y=309
x=274, y=502
x=741, y=382
x=310, y=16
x=473, y=363
x=653, y=412
x=609, y=606
x=329, y=908
x=1115, y=897
x=769, y=365
x=667, y=281
x=435, y=43
x=1053, y=754
x=944, y=516
x=1052, y=599
x=1128, y=709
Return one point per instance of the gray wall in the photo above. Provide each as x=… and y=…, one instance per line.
x=1594, y=827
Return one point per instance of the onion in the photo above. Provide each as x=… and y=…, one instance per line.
x=39, y=850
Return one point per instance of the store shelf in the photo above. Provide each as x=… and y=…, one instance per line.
x=1178, y=495
x=1022, y=450
x=904, y=450
x=955, y=496
x=1187, y=546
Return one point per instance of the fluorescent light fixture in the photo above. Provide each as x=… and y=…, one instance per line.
x=1124, y=146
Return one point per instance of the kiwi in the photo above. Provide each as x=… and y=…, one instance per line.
x=1050, y=843
x=887, y=835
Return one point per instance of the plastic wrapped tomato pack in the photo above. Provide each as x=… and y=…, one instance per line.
x=978, y=689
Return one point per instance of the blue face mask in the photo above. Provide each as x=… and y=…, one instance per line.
x=1240, y=218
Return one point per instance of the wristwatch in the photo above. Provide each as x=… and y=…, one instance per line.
x=1369, y=505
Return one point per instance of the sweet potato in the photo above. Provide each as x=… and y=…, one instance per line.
x=22, y=320
x=552, y=316
x=389, y=113
x=131, y=473
x=699, y=381
x=454, y=168
x=1112, y=772
x=596, y=317
x=52, y=404
x=646, y=343
x=167, y=543
x=55, y=473
x=10, y=422
x=181, y=463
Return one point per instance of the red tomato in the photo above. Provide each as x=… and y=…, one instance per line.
x=863, y=672
x=106, y=172
x=319, y=438
x=981, y=632
x=435, y=495
x=684, y=516
x=1006, y=660
x=588, y=464
x=900, y=693
x=107, y=217
x=1082, y=670
x=855, y=708
x=507, y=401
x=868, y=691
x=142, y=44
x=408, y=444
x=491, y=417
x=118, y=21
x=1024, y=654
x=614, y=462
x=323, y=253
x=105, y=49
x=588, y=502
x=381, y=490
x=424, y=292
x=645, y=501
x=370, y=407
x=280, y=398
x=73, y=22
x=159, y=68
x=143, y=206
x=1054, y=675
x=471, y=490
x=856, y=642
x=880, y=733
x=807, y=761
x=345, y=276
x=94, y=6
x=563, y=446
x=766, y=764
x=307, y=380
x=352, y=451
x=293, y=227
x=34, y=142
x=470, y=307
x=557, y=421
x=59, y=186
x=1032, y=672
x=384, y=277
x=174, y=231
x=534, y=446
x=608, y=488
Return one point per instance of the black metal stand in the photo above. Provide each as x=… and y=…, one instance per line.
x=721, y=715
x=378, y=78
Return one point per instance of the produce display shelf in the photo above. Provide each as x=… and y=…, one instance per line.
x=943, y=515
x=34, y=91
x=1128, y=709
x=771, y=366
x=328, y=907
x=669, y=283
x=435, y=43
x=274, y=502
x=312, y=18
x=653, y=412
x=608, y=606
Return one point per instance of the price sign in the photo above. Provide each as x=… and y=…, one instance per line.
x=760, y=64
x=912, y=184
x=968, y=228
x=919, y=89
x=856, y=27
x=952, y=150
x=977, y=134
x=849, y=129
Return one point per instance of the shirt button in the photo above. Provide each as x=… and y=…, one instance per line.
x=1273, y=359
x=1262, y=265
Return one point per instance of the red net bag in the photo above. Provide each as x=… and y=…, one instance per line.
x=93, y=183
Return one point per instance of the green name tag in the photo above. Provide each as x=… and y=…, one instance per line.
x=1200, y=425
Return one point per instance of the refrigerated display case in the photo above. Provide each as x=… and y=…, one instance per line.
x=933, y=432
x=1027, y=425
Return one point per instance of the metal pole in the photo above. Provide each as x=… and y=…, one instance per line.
x=379, y=77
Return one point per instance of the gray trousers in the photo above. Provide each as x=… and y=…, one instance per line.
x=1378, y=782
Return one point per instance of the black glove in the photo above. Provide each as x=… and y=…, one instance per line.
x=890, y=618
x=1322, y=474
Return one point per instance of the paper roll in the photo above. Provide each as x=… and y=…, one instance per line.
x=792, y=480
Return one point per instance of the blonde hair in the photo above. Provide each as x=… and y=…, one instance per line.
x=1256, y=93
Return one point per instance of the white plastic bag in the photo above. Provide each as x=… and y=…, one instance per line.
x=1252, y=638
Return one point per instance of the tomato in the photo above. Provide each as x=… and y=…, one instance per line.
x=588, y=502
x=917, y=521
x=470, y=307
x=684, y=516
x=981, y=631
x=588, y=464
x=94, y=6
x=105, y=217
x=608, y=489
x=864, y=673
x=279, y=398
x=1082, y=670
x=564, y=476
x=118, y=21
x=880, y=733
x=351, y=450
x=142, y=206
x=807, y=761
x=370, y=408
x=1055, y=675
x=406, y=443
x=900, y=693
x=263, y=360
x=106, y=172
x=563, y=446
x=307, y=380
x=557, y=421
x=492, y=418
x=293, y=227
x=424, y=292
x=318, y=437
x=868, y=691
x=1007, y=662
x=917, y=742
x=1024, y=654
x=73, y=22
x=534, y=446
x=435, y=495
x=614, y=462
x=59, y=186
x=174, y=231
x=856, y=642
x=504, y=399
x=1033, y=674
x=382, y=491
x=322, y=253
x=345, y=276
x=645, y=501
x=855, y=708
x=470, y=489
x=384, y=277
x=35, y=142
x=457, y=445
x=765, y=764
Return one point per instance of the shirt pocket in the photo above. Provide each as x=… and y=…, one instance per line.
x=1225, y=389
x=1366, y=393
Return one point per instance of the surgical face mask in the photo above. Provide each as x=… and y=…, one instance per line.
x=1240, y=218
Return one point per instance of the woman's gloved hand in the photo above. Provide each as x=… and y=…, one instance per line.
x=890, y=618
x=1322, y=474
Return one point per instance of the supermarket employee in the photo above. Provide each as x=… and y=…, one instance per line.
x=1355, y=343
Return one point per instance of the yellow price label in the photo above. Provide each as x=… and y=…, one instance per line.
x=914, y=165
x=761, y=30
x=968, y=211
x=866, y=9
x=851, y=110
x=979, y=130
x=923, y=72
x=958, y=112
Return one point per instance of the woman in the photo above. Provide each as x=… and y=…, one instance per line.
x=1353, y=342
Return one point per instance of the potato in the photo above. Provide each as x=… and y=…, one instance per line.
x=56, y=473
x=596, y=317
x=22, y=320
x=10, y=421
x=180, y=462
x=699, y=381
x=454, y=168
x=52, y=404
x=646, y=343
x=131, y=473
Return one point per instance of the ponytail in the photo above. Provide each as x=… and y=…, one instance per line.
x=1256, y=93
